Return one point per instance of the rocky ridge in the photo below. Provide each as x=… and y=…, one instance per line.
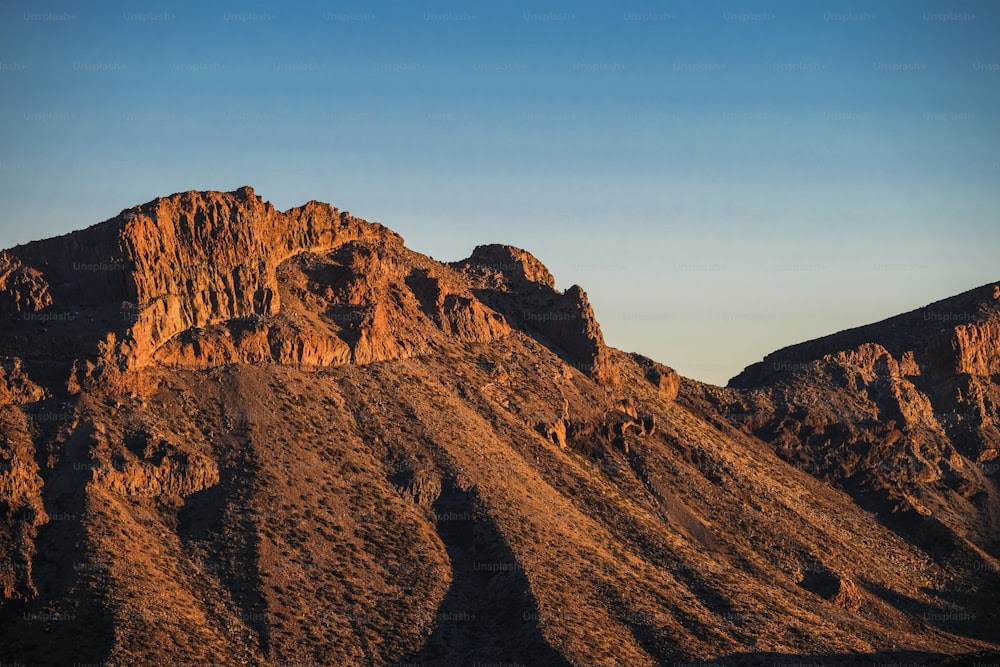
x=232, y=434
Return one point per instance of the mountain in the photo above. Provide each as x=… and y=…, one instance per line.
x=235, y=435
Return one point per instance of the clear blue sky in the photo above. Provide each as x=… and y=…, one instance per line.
x=723, y=178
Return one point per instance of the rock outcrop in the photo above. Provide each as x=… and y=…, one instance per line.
x=902, y=413
x=954, y=335
x=666, y=380
x=461, y=315
x=625, y=420
x=16, y=388
x=557, y=430
x=179, y=475
x=196, y=280
x=361, y=303
x=23, y=290
x=422, y=485
x=972, y=348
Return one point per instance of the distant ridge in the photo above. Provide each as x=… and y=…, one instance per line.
x=235, y=435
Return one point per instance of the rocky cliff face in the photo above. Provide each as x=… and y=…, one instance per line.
x=970, y=348
x=22, y=510
x=199, y=279
x=906, y=421
x=517, y=284
x=234, y=435
x=16, y=388
x=182, y=262
x=22, y=289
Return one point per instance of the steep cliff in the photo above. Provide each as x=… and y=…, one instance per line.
x=186, y=261
x=517, y=284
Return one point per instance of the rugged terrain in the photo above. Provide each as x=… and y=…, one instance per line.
x=235, y=435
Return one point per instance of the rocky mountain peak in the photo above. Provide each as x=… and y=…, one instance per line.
x=236, y=435
x=201, y=279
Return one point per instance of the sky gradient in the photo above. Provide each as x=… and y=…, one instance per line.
x=722, y=178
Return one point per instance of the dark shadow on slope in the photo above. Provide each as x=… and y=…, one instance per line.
x=985, y=604
x=541, y=314
x=71, y=604
x=231, y=544
x=647, y=630
x=66, y=608
x=489, y=614
x=852, y=659
x=977, y=616
x=426, y=291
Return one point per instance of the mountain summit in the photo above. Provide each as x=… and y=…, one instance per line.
x=235, y=435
